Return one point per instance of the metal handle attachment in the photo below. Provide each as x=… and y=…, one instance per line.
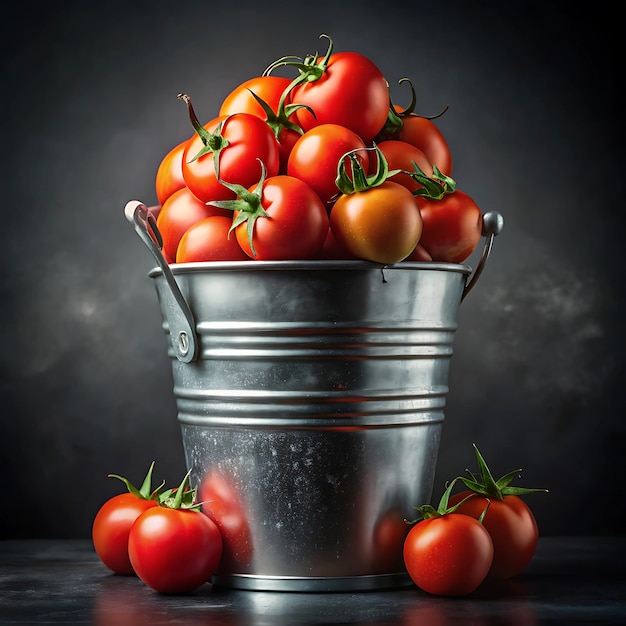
x=493, y=223
x=180, y=319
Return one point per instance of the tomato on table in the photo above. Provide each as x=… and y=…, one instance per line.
x=175, y=547
x=509, y=520
x=174, y=550
x=112, y=523
x=513, y=529
x=447, y=553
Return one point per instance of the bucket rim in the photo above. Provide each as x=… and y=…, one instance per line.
x=316, y=264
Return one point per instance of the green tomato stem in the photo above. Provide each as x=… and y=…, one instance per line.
x=247, y=204
x=360, y=181
x=183, y=497
x=145, y=492
x=213, y=142
x=395, y=121
x=434, y=188
x=277, y=120
x=486, y=485
x=309, y=69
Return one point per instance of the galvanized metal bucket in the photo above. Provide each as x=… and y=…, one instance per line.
x=311, y=399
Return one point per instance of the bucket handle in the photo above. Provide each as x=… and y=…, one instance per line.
x=493, y=223
x=180, y=319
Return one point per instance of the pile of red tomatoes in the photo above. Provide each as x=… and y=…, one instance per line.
x=318, y=166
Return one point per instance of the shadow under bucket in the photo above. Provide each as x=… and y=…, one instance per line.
x=311, y=398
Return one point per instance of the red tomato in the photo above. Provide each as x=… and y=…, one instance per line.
x=351, y=92
x=315, y=156
x=425, y=135
x=512, y=527
x=210, y=240
x=399, y=156
x=287, y=139
x=178, y=213
x=169, y=176
x=448, y=554
x=381, y=224
x=452, y=226
x=508, y=519
x=296, y=224
x=111, y=528
x=250, y=140
x=270, y=89
x=174, y=550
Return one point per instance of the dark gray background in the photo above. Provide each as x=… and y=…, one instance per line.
x=89, y=108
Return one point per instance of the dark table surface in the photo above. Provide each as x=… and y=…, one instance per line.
x=571, y=580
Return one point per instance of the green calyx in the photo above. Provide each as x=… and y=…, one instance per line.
x=184, y=497
x=395, y=118
x=427, y=511
x=247, y=204
x=435, y=187
x=213, y=142
x=360, y=181
x=309, y=69
x=485, y=484
x=145, y=492
x=279, y=119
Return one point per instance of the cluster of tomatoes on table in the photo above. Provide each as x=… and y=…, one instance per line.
x=485, y=532
x=162, y=536
x=174, y=545
x=319, y=166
